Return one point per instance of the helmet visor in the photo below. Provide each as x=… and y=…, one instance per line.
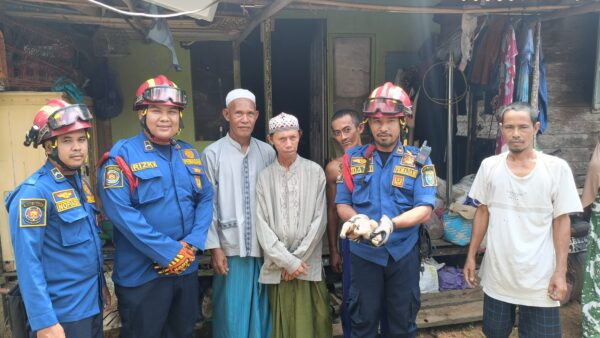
x=384, y=105
x=165, y=94
x=68, y=115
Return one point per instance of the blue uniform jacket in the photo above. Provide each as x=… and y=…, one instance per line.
x=399, y=186
x=57, y=248
x=172, y=202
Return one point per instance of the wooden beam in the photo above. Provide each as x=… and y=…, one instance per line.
x=366, y=6
x=268, y=12
x=339, y=5
x=267, y=80
x=137, y=24
x=583, y=9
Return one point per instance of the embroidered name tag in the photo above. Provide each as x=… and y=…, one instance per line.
x=398, y=181
x=143, y=165
x=354, y=170
x=428, y=176
x=32, y=212
x=402, y=170
x=192, y=161
x=65, y=200
x=113, y=177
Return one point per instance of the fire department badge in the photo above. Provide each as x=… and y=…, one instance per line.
x=408, y=159
x=190, y=157
x=32, y=212
x=398, y=181
x=428, y=176
x=113, y=177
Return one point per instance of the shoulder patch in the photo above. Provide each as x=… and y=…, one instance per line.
x=65, y=200
x=113, y=177
x=428, y=176
x=143, y=165
x=32, y=212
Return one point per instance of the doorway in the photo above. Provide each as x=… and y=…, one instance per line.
x=298, y=79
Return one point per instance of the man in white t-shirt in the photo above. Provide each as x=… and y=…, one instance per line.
x=525, y=198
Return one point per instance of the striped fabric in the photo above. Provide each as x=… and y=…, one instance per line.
x=240, y=303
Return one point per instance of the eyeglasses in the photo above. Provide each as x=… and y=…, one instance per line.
x=384, y=105
x=164, y=94
x=68, y=115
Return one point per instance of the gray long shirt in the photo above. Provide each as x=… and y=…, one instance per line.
x=233, y=175
x=291, y=219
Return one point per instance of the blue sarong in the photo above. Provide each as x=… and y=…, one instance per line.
x=240, y=302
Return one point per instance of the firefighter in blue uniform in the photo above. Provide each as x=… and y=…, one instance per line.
x=154, y=190
x=54, y=232
x=388, y=190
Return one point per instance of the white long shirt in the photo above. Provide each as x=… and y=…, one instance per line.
x=291, y=219
x=233, y=175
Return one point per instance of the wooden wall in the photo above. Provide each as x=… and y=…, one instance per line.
x=569, y=47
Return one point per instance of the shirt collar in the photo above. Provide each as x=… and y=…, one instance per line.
x=56, y=174
x=238, y=146
x=293, y=168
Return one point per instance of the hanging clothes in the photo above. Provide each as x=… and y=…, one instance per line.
x=507, y=74
x=543, y=95
x=468, y=26
x=525, y=56
x=483, y=67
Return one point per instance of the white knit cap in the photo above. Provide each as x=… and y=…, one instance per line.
x=239, y=93
x=283, y=122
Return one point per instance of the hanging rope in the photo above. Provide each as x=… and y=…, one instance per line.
x=442, y=101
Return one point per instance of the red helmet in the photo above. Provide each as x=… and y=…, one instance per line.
x=56, y=118
x=159, y=90
x=388, y=100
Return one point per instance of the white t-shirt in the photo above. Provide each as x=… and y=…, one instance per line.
x=520, y=258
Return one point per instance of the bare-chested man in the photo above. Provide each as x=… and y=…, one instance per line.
x=346, y=128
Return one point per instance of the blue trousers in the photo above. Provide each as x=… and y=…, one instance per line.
x=90, y=327
x=165, y=307
x=390, y=292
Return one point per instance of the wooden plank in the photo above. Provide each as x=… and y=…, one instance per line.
x=448, y=315
x=453, y=297
x=443, y=248
x=17, y=162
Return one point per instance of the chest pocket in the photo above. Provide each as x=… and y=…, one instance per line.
x=403, y=186
x=149, y=187
x=75, y=227
x=196, y=176
x=360, y=196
